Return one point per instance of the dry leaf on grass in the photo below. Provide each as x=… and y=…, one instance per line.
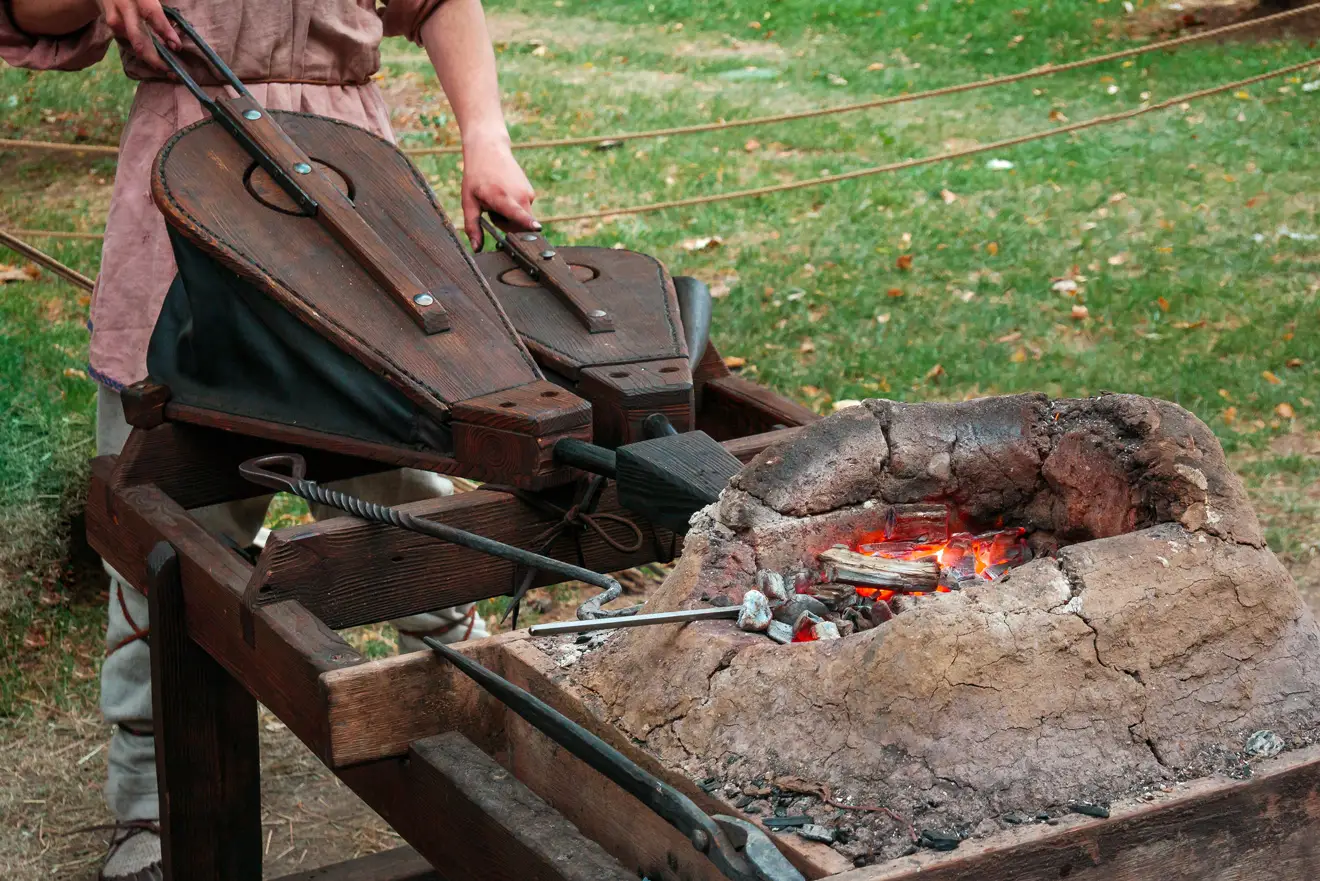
x=1285, y=411
x=1080, y=312
x=948, y=196
x=27, y=272
x=1118, y=259
x=704, y=243
x=1269, y=377
x=992, y=249
x=935, y=372
x=733, y=362
x=1294, y=362
x=904, y=262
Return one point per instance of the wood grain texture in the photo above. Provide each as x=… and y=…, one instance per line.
x=338, y=216
x=735, y=407
x=668, y=479
x=546, y=265
x=473, y=819
x=1263, y=829
x=199, y=183
x=538, y=407
x=352, y=572
x=399, y=864
x=144, y=403
x=637, y=292
x=288, y=649
x=623, y=395
x=207, y=761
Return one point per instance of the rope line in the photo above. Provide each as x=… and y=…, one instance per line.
x=930, y=160
x=863, y=172
x=890, y=100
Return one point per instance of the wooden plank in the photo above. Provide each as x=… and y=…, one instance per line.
x=277, y=652
x=399, y=864
x=735, y=407
x=1263, y=829
x=207, y=755
x=352, y=572
x=473, y=819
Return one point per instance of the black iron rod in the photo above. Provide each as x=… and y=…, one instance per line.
x=672, y=806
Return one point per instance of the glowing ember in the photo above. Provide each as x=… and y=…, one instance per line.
x=963, y=557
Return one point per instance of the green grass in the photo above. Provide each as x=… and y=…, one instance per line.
x=1155, y=218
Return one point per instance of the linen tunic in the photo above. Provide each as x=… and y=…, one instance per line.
x=315, y=56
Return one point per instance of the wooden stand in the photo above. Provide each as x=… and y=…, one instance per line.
x=474, y=791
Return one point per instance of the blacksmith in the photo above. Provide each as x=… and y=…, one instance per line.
x=316, y=56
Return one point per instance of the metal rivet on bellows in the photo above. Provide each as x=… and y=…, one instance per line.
x=303, y=168
x=530, y=237
x=424, y=300
x=546, y=255
x=252, y=114
x=597, y=313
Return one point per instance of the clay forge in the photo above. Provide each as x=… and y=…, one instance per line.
x=1136, y=629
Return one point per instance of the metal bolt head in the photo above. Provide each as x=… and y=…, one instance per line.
x=303, y=168
x=424, y=300
x=252, y=114
x=529, y=237
x=597, y=313
x=546, y=255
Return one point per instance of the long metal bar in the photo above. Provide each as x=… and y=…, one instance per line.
x=258, y=471
x=723, y=612
x=703, y=831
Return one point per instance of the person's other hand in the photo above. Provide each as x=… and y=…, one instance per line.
x=135, y=20
x=493, y=181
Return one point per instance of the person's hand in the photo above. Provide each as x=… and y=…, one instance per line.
x=135, y=20
x=493, y=181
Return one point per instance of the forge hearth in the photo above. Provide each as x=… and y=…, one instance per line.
x=1150, y=630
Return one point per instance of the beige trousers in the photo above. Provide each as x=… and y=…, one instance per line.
x=126, y=673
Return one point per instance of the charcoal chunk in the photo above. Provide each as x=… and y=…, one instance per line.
x=935, y=839
x=1090, y=809
x=816, y=832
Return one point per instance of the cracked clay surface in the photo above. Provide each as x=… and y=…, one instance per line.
x=1158, y=627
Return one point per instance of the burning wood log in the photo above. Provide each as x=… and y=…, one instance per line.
x=903, y=576
x=919, y=523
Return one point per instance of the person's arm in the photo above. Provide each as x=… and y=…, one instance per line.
x=133, y=20
x=456, y=38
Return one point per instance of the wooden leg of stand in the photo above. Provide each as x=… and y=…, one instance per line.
x=207, y=759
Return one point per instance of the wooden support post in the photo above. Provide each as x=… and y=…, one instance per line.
x=207, y=760
x=400, y=864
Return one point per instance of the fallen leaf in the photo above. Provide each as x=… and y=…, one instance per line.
x=1065, y=286
x=904, y=262
x=883, y=318
x=992, y=249
x=1223, y=393
x=34, y=640
x=733, y=362
x=75, y=373
x=1256, y=200
x=1019, y=355
x=1118, y=259
x=948, y=196
x=1230, y=415
x=935, y=372
x=1117, y=197
x=810, y=391
x=1285, y=411
x=1080, y=312
x=1010, y=337
x=1189, y=325
x=1163, y=304
x=1270, y=377
x=875, y=65
x=807, y=347
x=704, y=243
x=27, y=272
x=905, y=240
x=895, y=292
x=1057, y=116
x=752, y=145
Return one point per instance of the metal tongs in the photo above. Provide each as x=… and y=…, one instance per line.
x=738, y=848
